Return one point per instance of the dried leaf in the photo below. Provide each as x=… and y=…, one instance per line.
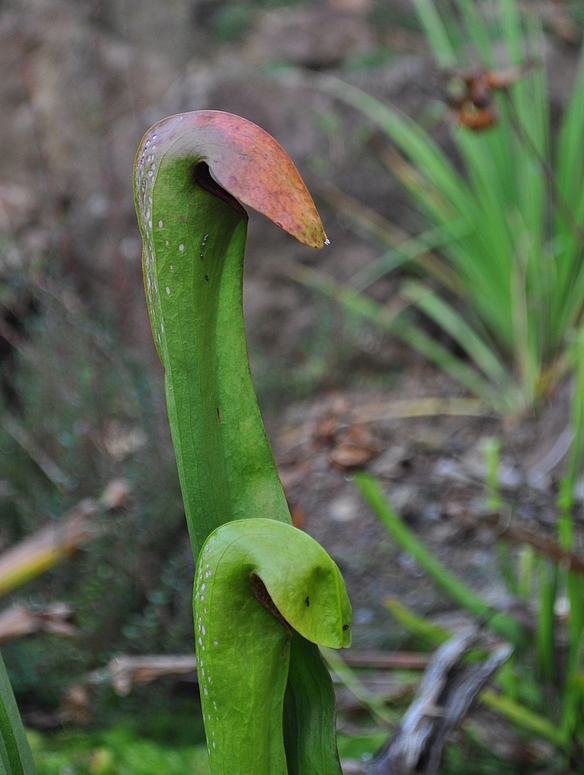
x=354, y=447
x=20, y=620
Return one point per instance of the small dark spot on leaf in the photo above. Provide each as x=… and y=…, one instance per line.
x=307, y=601
x=218, y=415
x=207, y=277
x=345, y=627
x=201, y=256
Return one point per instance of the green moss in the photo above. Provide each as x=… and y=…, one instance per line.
x=115, y=751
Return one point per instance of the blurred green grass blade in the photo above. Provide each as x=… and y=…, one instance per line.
x=456, y=326
x=491, y=452
x=480, y=154
x=568, y=278
x=511, y=27
x=407, y=251
x=433, y=635
x=375, y=497
x=487, y=261
x=350, y=679
x=534, y=183
x=486, y=293
x=505, y=705
x=436, y=33
x=484, y=258
x=442, y=357
x=577, y=409
x=409, y=136
x=524, y=718
x=507, y=679
x=571, y=695
x=360, y=746
x=574, y=583
x=477, y=31
x=417, y=625
x=15, y=754
x=545, y=631
x=506, y=567
x=569, y=156
x=525, y=561
x=526, y=347
x=408, y=332
x=568, y=481
x=426, y=192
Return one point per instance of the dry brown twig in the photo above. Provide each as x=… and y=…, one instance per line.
x=20, y=619
x=445, y=696
x=58, y=540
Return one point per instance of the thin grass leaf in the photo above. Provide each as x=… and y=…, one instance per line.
x=436, y=33
x=507, y=679
x=524, y=718
x=456, y=326
x=491, y=451
x=431, y=634
x=374, y=496
x=511, y=28
x=15, y=754
x=525, y=569
x=476, y=31
x=408, y=251
x=569, y=157
x=526, y=361
x=427, y=194
x=349, y=678
x=574, y=584
x=506, y=705
x=486, y=295
x=394, y=322
x=576, y=684
x=546, y=620
x=417, y=625
x=506, y=567
x=385, y=231
x=568, y=481
x=571, y=695
x=414, y=141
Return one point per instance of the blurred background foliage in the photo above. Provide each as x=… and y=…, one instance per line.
x=92, y=410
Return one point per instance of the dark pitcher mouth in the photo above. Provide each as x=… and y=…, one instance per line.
x=263, y=596
x=204, y=178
